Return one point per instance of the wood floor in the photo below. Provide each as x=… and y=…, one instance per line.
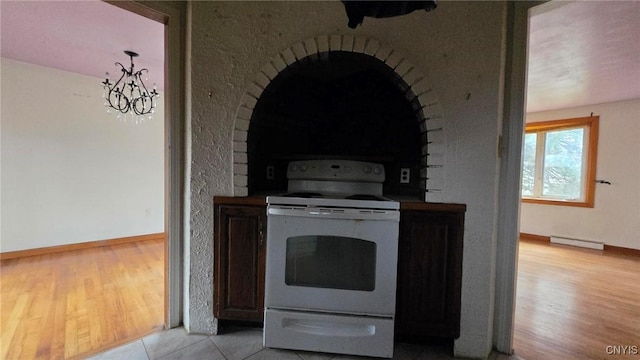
x=571, y=303
x=575, y=303
x=70, y=304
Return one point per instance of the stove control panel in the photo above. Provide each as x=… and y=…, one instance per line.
x=336, y=170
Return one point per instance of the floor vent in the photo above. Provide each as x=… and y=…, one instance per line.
x=576, y=242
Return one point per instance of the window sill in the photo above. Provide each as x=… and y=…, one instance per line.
x=586, y=204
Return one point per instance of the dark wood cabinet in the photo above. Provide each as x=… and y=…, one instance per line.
x=429, y=265
x=239, y=255
x=429, y=272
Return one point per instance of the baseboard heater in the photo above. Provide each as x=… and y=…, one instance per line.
x=577, y=242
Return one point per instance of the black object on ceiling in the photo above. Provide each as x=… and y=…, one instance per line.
x=357, y=10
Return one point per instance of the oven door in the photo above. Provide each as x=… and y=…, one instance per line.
x=332, y=260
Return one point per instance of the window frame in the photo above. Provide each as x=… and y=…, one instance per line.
x=591, y=145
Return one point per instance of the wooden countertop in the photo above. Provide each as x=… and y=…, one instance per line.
x=413, y=204
x=240, y=200
x=426, y=206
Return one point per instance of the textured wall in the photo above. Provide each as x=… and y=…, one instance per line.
x=457, y=47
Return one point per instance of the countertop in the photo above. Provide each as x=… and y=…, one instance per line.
x=405, y=203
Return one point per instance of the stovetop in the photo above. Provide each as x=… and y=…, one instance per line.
x=308, y=195
x=335, y=183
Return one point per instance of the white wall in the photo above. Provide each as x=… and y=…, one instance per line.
x=458, y=47
x=70, y=172
x=615, y=218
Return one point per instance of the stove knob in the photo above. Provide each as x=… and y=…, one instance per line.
x=377, y=170
x=303, y=168
x=367, y=169
x=294, y=168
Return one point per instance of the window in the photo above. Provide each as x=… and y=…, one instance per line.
x=559, y=162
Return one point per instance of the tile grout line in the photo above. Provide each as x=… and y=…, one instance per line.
x=250, y=355
x=174, y=351
x=183, y=348
x=144, y=346
x=217, y=347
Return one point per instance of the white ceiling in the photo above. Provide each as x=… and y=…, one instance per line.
x=581, y=53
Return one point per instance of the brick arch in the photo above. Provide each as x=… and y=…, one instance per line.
x=409, y=79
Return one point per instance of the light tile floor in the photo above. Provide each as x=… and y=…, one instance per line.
x=244, y=343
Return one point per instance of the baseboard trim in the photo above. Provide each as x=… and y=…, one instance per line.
x=608, y=248
x=79, y=246
x=622, y=250
x=534, y=237
x=587, y=244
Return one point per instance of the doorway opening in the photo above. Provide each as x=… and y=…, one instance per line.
x=559, y=286
x=150, y=205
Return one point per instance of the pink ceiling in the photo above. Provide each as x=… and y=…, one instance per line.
x=583, y=53
x=85, y=37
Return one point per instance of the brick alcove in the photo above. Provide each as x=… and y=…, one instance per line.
x=408, y=79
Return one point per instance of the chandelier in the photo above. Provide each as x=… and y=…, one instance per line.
x=129, y=94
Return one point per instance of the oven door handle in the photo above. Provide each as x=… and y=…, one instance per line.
x=321, y=212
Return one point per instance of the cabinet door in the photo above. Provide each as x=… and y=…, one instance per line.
x=429, y=274
x=239, y=262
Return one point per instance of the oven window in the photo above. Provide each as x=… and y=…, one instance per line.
x=331, y=262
